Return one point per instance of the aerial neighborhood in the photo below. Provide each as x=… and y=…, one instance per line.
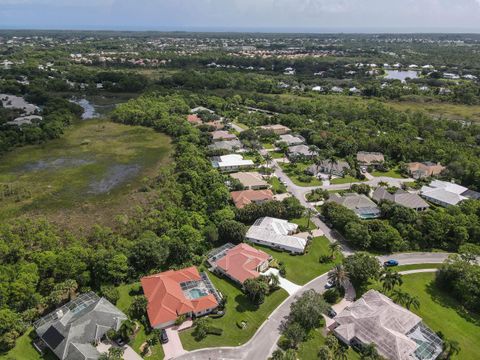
x=256, y=196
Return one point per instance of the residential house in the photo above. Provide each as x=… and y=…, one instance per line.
x=277, y=129
x=251, y=180
x=291, y=139
x=25, y=120
x=194, y=119
x=232, y=162
x=301, y=151
x=358, y=203
x=244, y=197
x=240, y=262
x=419, y=170
x=72, y=330
x=277, y=234
x=327, y=167
x=174, y=293
x=400, y=197
x=221, y=135
x=397, y=333
x=370, y=159
x=445, y=193
x=217, y=124
x=231, y=145
x=201, y=109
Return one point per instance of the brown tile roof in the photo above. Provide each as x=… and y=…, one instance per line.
x=245, y=197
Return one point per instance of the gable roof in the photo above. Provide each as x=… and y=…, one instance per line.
x=241, y=262
x=166, y=299
x=401, y=197
x=244, y=197
x=444, y=192
x=374, y=318
x=70, y=330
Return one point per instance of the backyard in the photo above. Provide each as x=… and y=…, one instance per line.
x=303, y=268
x=238, y=308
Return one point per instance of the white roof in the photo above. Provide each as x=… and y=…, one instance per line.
x=445, y=192
x=232, y=160
x=448, y=186
x=276, y=231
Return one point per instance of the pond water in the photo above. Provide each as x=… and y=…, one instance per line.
x=116, y=175
x=401, y=74
x=55, y=164
x=89, y=111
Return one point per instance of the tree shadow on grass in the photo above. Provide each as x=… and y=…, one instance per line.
x=244, y=304
x=447, y=301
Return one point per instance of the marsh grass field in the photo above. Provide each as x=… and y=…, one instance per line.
x=89, y=175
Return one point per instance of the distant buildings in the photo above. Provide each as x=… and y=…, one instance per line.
x=301, y=151
x=359, y=204
x=291, y=139
x=327, y=167
x=245, y=197
x=232, y=162
x=398, y=334
x=230, y=145
x=221, y=135
x=277, y=129
x=445, y=193
x=370, y=159
x=419, y=170
x=174, y=293
x=277, y=234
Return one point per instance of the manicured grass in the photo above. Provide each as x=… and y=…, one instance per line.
x=308, y=350
x=140, y=338
x=345, y=180
x=304, y=222
x=268, y=146
x=295, y=173
x=303, y=268
x=415, y=267
x=443, y=313
x=238, y=308
x=277, y=186
x=243, y=126
x=85, y=176
x=126, y=293
x=277, y=155
x=392, y=173
x=24, y=349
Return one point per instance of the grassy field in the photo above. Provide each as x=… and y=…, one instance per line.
x=392, y=173
x=303, y=268
x=238, y=308
x=345, y=180
x=88, y=176
x=443, y=313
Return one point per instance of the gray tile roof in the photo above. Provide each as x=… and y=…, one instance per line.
x=359, y=203
x=226, y=145
x=401, y=197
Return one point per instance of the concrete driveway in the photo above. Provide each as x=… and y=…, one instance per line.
x=173, y=347
x=128, y=354
x=285, y=284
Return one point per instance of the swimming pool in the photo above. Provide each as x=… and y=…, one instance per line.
x=197, y=293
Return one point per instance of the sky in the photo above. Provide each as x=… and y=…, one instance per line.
x=245, y=15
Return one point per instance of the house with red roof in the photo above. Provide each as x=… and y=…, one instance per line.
x=194, y=119
x=173, y=293
x=240, y=262
x=244, y=197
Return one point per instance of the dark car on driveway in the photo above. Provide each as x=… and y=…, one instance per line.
x=390, y=263
x=163, y=337
x=331, y=313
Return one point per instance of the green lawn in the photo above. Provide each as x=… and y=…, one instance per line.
x=304, y=222
x=295, y=174
x=303, y=268
x=308, y=350
x=238, y=308
x=345, y=180
x=24, y=349
x=443, y=313
x=276, y=154
x=277, y=186
x=415, y=267
x=268, y=146
x=243, y=126
x=392, y=173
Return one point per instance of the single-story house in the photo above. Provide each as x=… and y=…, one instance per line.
x=277, y=234
x=445, y=193
x=291, y=139
x=217, y=124
x=419, y=170
x=361, y=204
x=250, y=180
x=301, y=151
x=277, y=129
x=326, y=167
x=400, y=197
x=231, y=145
x=240, y=262
x=201, y=109
x=221, y=135
x=398, y=334
x=244, y=197
x=173, y=293
x=370, y=158
x=194, y=119
x=232, y=162
x=72, y=330
x=25, y=120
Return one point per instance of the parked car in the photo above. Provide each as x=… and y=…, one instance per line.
x=163, y=337
x=390, y=262
x=120, y=341
x=329, y=285
x=331, y=313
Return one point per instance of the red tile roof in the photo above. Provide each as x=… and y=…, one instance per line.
x=194, y=119
x=166, y=300
x=242, y=261
x=245, y=197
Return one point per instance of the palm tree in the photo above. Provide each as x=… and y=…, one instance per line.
x=332, y=161
x=338, y=275
x=312, y=149
x=274, y=281
x=341, y=353
x=127, y=329
x=450, y=348
x=70, y=287
x=334, y=247
x=268, y=159
x=390, y=279
x=405, y=299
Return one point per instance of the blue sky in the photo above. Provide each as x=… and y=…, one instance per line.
x=293, y=15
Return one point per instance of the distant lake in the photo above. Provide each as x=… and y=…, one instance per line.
x=401, y=74
x=89, y=111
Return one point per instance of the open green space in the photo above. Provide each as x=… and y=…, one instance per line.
x=392, y=173
x=277, y=186
x=24, y=349
x=443, y=313
x=296, y=173
x=308, y=350
x=416, y=267
x=83, y=177
x=238, y=308
x=345, y=180
x=303, y=268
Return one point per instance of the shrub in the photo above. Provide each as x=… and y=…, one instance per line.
x=282, y=270
x=215, y=331
x=331, y=296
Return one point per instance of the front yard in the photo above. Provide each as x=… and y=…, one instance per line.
x=303, y=268
x=277, y=186
x=392, y=173
x=308, y=350
x=345, y=180
x=305, y=223
x=238, y=308
x=296, y=173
